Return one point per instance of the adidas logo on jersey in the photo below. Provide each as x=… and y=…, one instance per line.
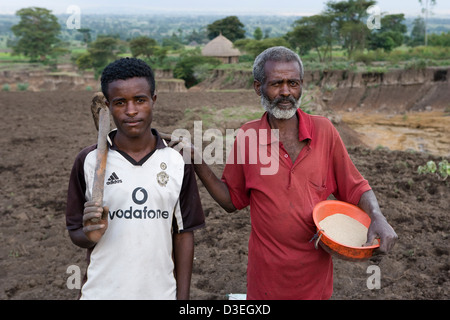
x=113, y=179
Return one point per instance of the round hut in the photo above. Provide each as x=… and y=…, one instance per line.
x=221, y=48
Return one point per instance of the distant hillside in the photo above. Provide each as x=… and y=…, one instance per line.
x=435, y=25
x=164, y=25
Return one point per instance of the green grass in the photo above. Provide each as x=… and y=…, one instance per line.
x=77, y=50
x=367, y=61
x=380, y=61
x=241, y=66
x=212, y=116
x=8, y=57
x=241, y=113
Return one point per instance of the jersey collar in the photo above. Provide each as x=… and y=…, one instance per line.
x=305, y=126
x=160, y=144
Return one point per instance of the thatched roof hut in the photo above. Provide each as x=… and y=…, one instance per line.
x=221, y=48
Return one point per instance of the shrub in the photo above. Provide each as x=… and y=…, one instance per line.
x=22, y=86
x=442, y=170
x=188, y=68
x=419, y=64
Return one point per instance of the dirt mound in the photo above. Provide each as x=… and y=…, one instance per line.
x=39, y=78
x=43, y=131
x=67, y=78
x=394, y=91
x=225, y=80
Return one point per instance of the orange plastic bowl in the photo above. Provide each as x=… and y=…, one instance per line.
x=329, y=207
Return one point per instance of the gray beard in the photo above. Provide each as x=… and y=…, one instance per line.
x=277, y=112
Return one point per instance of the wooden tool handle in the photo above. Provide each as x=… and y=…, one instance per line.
x=102, y=151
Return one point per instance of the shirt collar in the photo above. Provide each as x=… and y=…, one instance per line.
x=304, y=124
x=160, y=144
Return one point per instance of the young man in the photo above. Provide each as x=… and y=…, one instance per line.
x=312, y=164
x=144, y=247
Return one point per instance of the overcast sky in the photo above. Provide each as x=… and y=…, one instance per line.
x=238, y=7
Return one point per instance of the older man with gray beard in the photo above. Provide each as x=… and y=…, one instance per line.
x=273, y=107
x=313, y=163
x=278, y=112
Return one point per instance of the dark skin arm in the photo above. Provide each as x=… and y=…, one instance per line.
x=379, y=227
x=183, y=249
x=216, y=187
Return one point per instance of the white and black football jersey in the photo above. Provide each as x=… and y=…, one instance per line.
x=148, y=201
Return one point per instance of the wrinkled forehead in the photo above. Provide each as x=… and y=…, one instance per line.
x=282, y=70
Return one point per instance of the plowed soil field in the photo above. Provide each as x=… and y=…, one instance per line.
x=41, y=133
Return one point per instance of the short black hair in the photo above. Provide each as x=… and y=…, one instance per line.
x=127, y=68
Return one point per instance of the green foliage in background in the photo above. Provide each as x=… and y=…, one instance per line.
x=230, y=27
x=37, y=33
x=336, y=38
x=189, y=63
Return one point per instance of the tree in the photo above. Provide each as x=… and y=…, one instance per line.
x=230, y=27
x=254, y=47
x=37, y=31
x=197, y=36
x=383, y=41
x=426, y=4
x=86, y=32
x=103, y=50
x=147, y=47
x=174, y=42
x=440, y=40
x=185, y=67
x=349, y=19
x=84, y=61
x=417, y=32
x=391, y=34
x=257, y=34
x=314, y=32
x=143, y=46
x=100, y=53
